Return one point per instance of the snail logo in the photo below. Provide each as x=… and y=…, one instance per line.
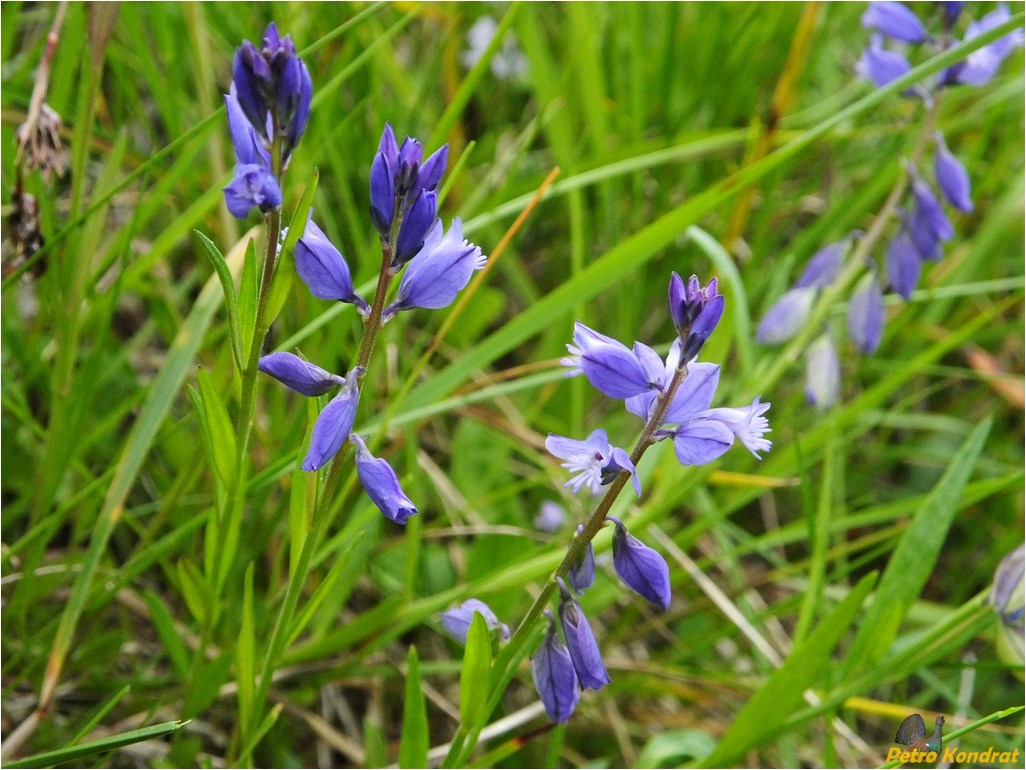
x=912, y=735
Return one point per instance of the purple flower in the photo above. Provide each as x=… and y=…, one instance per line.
x=582, y=573
x=697, y=438
x=299, y=375
x=952, y=178
x=823, y=373
x=903, y=263
x=381, y=484
x=249, y=149
x=896, y=21
x=274, y=88
x=253, y=185
x=440, y=270
x=702, y=434
x=457, y=621
x=823, y=266
x=980, y=67
x=880, y=66
x=554, y=677
x=551, y=517
x=747, y=423
x=929, y=225
x=700, y=441
x=401, y=184
x=609, y=365
x=336, y=419
x=786, y=316
x=581, y=642
x=640, y=568
x=595, y=461
x=695, y=312
x=417, y=222
x=323, y=268
x=866, y=315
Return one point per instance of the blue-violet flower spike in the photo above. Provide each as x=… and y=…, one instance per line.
x=823, y=373
x=299, y=375
x=457, y=621
x=896, y=21
x=580, y=640
x=323, y=268
x=866, y=315
x=382, y=485
x=952, y=178
x=439, y=272
x=582, y=573
x=640, y=568
x=334, y=424
x=594, y=460
x=554, y=677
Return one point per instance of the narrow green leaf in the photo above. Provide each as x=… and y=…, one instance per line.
x=262, y=729
x=915, y=556
x=285, y=271
x=199, y=597
x=767, y=711
x=218, y=428
x=413, y=748
x=326, y=588
x=249, y=288
x=231, y=300
x=374, y=744
x=101, y=712
x=245, y=657
x=71, y=753
x=164, y=625
x=476, y=675
x=301, y=498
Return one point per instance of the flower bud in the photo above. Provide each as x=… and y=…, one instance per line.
x=640, y=568
x=581, y=642
x=554, y=677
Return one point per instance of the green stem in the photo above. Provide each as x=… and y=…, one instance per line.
x=326, y=494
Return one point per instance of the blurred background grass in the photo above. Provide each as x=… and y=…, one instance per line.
x=643, y=107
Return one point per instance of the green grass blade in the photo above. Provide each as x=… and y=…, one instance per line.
x=71, y=753
x=413, y=749
x=769, y=708
x=915, y=556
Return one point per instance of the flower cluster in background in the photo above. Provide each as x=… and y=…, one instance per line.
x=922, y=225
